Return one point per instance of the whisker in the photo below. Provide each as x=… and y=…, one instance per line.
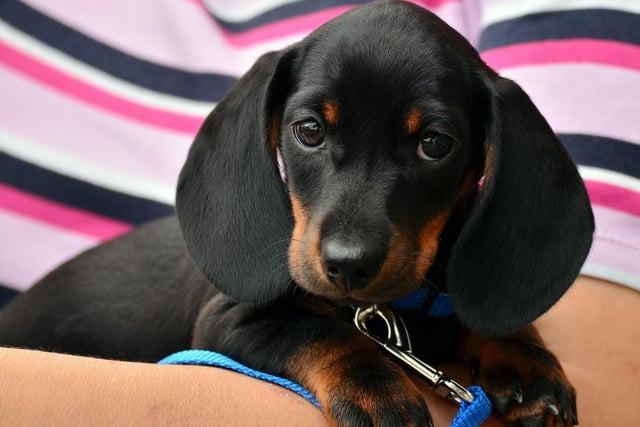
x=271, y=245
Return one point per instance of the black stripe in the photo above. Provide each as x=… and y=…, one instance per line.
x=605, y=153
x=291, y=10
x=197, y=86
x=6, y=295
x=589, y=23
x=79, y=194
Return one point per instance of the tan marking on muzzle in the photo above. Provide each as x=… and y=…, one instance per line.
x=299, y=229
x=304, y=250
x=428, y=241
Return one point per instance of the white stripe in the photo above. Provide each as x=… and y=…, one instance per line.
x=83, y=170
x=611, y=274
x=83, y=72
x=503, y=10
x=609, y=177
x=242, y=10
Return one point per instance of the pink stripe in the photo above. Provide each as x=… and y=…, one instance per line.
x=300, y=24
x=59, y=215
x=194, y=41
x=614, y=197
x=304, y=24
x=95, y=96
x=433, y=4
x=578, y=50
x=176, y=33
x=125, y=148
x=31, y=249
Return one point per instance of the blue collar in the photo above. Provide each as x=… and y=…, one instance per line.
x=438, y=303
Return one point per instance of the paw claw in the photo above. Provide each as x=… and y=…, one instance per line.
x=526, y=385
x=518, y=395
x=509, y=393
x=574, y=409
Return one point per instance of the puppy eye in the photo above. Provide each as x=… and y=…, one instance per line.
x=309, y=133
x=434, y=146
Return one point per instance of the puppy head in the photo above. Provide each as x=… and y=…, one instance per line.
x=385, y=119
x=379, y=136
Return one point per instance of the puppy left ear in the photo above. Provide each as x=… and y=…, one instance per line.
x=231, y=202
x=531, y=229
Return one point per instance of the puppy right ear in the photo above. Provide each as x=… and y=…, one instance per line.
x=231, y=202
x=531, y=229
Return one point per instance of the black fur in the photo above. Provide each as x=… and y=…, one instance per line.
x=522, y=248
x=511, y=248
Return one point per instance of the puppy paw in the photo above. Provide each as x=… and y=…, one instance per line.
x=364, y=388
x=384, y=397
x=525, y=383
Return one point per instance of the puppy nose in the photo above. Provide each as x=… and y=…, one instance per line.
x=349, y=265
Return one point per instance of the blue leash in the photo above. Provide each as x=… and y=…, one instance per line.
x=211, y=358
x=469, y=415
x=475, y=413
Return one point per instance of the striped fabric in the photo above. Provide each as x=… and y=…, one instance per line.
x=579, y=60
x=99, y=104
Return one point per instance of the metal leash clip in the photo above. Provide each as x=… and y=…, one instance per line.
x=398, y=343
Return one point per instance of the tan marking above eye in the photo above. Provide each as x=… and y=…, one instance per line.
x=413, y=121
x=330, y=112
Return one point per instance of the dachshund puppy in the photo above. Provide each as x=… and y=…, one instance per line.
x=376, y=157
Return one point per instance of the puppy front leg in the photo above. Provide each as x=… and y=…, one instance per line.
x=355, y=383
x=523, y=379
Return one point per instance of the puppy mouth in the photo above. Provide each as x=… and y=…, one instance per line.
x=399, y=273
x=361, y=266
x=381, y=289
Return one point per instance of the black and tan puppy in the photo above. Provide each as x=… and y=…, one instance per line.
x=405, y=162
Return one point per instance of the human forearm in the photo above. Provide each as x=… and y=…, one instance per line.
x=40, y=388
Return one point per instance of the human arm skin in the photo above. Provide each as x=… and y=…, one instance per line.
x=594, y=330
x=48, y=389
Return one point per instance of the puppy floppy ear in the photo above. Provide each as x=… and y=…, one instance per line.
x=231, y=201
x=526, y=239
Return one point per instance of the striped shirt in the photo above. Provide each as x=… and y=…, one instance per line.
x=99, y=105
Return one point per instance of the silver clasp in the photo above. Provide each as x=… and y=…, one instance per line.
x=398, y=343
